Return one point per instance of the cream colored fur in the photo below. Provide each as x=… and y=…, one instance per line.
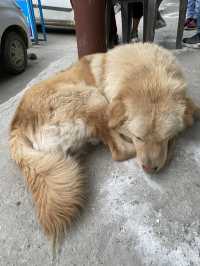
x=111, y=97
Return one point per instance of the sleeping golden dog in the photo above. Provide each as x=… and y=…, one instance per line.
x=132, y=98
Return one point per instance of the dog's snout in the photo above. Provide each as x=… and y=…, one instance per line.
x=149, y=169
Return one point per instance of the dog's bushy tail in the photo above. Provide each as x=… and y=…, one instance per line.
x=56, y=184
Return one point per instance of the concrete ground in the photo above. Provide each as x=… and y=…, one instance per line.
x=60, y=43
x=131, y=219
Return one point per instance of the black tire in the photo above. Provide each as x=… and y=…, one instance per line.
x=14, y=53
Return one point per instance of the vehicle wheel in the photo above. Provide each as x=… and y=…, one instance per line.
x=14, y=53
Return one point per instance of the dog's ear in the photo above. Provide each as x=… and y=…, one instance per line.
x=192, y=112
x=116, y=113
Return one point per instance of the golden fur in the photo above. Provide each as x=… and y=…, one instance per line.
x=132, y=98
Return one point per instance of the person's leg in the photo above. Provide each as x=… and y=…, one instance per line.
x=197, y=12
x=113, y=37
x=160, y=22
x=90, y=26
x=190, y=9
x=197, y=9
x=190, y=22
x=194, y=41
x=137, y=13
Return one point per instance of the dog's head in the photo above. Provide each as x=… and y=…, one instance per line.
x=151, y=117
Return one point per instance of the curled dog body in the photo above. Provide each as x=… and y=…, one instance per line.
x=132, y=98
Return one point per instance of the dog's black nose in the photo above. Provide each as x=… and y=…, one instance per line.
x=155, y=168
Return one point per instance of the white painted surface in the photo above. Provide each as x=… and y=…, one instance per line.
x=62, y=16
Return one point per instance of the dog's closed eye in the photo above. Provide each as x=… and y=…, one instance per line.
x=138, y=138
x=126, y=138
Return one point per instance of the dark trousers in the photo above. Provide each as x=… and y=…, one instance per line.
x=137, y=9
